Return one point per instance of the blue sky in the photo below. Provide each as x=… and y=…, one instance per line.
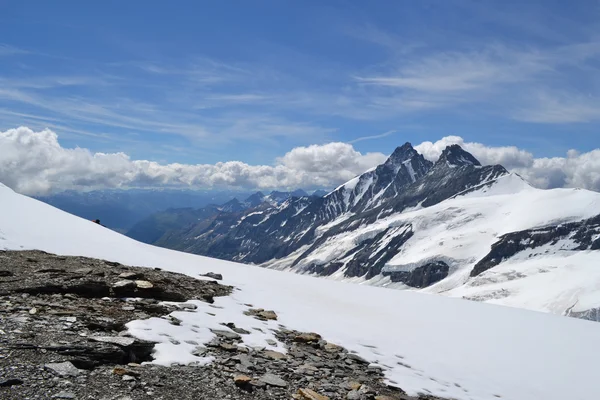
x=202, y=82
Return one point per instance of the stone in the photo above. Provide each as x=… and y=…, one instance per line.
x=226, y=334
x=33, y=311
x=271, y=342
x=353, y=395
x=128, y=378
x=11, y=382
x=384, y=398
x=64, y=395
x=118, y=340
x=143, y=284
x=241, y=380
x=274, y=355
x=123, y=284
x=307, y=337
x=187, y=306
x=130, y=275
x=273, y=380
x=309, y=394
x=333, y=348
x=63, y=369
x=269, y=315
x=213, y=275
x=356, y=358
x=228, y=347
x=262, y=314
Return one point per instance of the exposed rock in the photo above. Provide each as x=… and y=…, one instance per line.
x=357, y=358
x=140, y=284
x=309, y=394
x=273, y=380
x=10, y=382
x=131, y=275
x=118, y=340
x=241, y=380
x=122, y=284
x=63, y=369
x=274, y=355
x=213, y=275
x=262, y=314
x=64, y=395
x=226, y=334
x=419, y=277
x=307, y=337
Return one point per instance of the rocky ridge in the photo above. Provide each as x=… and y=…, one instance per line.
x=63, y=336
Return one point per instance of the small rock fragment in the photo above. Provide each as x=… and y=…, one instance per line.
x=241, y=380
x=273, y=380
x=124, y=284
x=118, y=340
x=307, y=337
x=63, y=369
x=130, y=275
x=11, y=382
x=274, y=355
x=226, y=334
x=143, y=284
x=213, y=275
x=64, y=395
x=309, y=394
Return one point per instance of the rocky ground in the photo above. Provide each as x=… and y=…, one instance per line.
x=63, y=336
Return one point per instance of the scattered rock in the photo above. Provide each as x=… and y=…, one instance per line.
x=356, y=358
x=64, y=395
x=307, y=337
x=123, y=284
x=274, y=355
x=332, y=348
x=213, y=275
x=10, y=382
x=241, y=380
x=226, y=334
x=309, y=394
x=118, y=340
x=262, y=314
x=143, y=284
x=273, y=380
x=131, y=275
x=63, y=369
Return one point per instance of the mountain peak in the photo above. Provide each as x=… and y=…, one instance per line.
x=401, y=154
x=456, y=156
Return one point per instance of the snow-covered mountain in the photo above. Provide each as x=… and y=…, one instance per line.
x=452, y=227
x=425, y=344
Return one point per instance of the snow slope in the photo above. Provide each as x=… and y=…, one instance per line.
x=460, y=231
x=455, y=348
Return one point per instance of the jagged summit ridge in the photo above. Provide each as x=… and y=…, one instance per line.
x=454, y=155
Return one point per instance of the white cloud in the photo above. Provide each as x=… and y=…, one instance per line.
x=35, y=163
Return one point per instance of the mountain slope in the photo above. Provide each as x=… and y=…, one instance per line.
x=447, y=347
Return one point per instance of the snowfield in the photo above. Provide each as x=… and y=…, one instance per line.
x=426, y=343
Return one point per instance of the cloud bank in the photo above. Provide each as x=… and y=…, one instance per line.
x=35, y=163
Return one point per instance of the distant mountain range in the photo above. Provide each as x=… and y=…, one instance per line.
x=163, y=228
x=121, y=209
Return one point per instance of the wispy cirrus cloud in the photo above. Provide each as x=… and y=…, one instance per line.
x=372, y=137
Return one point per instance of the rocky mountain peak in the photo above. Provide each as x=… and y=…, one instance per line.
x=454, y=155
x=401, y=154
